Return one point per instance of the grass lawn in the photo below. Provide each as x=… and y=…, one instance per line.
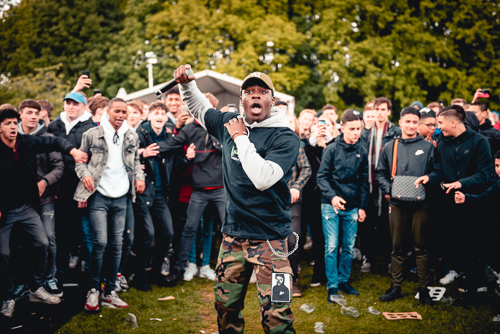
x=192, y=311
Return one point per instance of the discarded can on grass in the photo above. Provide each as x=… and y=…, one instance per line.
x=131, y=320
x=373, y=311
x=307, y=308
x=319, y=327
x=349, y=311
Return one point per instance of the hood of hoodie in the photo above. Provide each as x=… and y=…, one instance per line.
x=41, y=128
x=471, y=120
x=69, y=125
x=419, y=137
x=276, y=120
x=466, y=134
x=486, y=125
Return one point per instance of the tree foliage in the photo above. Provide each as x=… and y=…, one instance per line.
x=324, y=51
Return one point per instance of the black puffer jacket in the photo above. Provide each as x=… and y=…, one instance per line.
x=18, y=181
x=344, y=172
x=415, y=158
x=466, y=158
x=492, y=134
x=207, y=168
x=58, y=129
x=174, y=164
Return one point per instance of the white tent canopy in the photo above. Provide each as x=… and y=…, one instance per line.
x=224, y=87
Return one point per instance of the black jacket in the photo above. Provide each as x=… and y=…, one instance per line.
x=18, y=181
x=207, y=168
x=415, y=158
x=488, y=198
x=58, y=129
x=174, y=163
x=492, y=134
x=344, y=172
x=466, y=158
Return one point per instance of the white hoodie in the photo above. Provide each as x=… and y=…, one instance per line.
x=70, y=125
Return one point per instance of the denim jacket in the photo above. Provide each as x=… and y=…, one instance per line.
x=94, y=144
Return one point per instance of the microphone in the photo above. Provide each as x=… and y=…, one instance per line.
x=171, y=84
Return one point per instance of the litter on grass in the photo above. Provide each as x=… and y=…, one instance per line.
x=17, y=327
x=402, y=316
x=349, y=311
x=131, y=320
x=307, y=308
x=319, y=327
x=435, y=292
x=373, y=311
x=155, y=319
x=166, y=298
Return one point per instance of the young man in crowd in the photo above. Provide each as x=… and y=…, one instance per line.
x=152, y=212
x=46, y=111
x=70, y=125
x=369, y=115
x=50, y=169
x=485, y=126
x=18, y=170
x=375, y=233
x=306, y=121
x=427, y=125
x=208, y=188
x=112, y=174
x=463, y=163
x=343, y=180
x=174, y=102
x=97, y=106
x=134, y=116
x=414, y=157
x=257, y=219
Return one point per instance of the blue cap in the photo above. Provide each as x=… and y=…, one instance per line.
x=77, y=97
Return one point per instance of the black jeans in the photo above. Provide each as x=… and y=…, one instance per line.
x=295, y=257
x=32, y=224
x=402, y=220
x=199, y=201
x=152, y=223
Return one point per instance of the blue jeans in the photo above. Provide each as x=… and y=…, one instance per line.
x=87, y=238
x=207, y=224
x=128, y=235
x=107, y=217
x=49, y=223
x=331, y=229
x=199, y=201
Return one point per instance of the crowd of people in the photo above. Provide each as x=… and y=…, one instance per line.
x=124, y=189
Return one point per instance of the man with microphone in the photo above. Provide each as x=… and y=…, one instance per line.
x=259, y=151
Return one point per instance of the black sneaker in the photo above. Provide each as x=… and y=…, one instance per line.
x=21, y=291
x=393, y=293
x=425, y=297
x=346, y=288
x=176, y=275
x=52, y=288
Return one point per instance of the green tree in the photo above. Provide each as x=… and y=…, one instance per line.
x=46, y=84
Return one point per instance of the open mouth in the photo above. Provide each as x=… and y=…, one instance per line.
x=256, y=107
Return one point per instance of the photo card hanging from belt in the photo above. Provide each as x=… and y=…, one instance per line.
x=281, y=288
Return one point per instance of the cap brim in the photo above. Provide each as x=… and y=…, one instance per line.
x=254, y=82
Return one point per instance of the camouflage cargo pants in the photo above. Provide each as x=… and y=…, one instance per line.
x=237, y=259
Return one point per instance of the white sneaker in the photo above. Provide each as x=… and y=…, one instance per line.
x=113, y=301
x=92, y=303
x=357, y=254
x=308, y=244
x=8, y=308
x=449, y=278
x=253, y=278
x=165, y=267
x=366, y=266
x=42, y=296
x=121, y=283
x=207, y=272
x=73, y=261
x=190, y=272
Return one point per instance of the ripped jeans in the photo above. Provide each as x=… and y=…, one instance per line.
x=331, y=230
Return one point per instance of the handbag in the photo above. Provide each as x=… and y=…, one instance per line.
x=403, y=187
